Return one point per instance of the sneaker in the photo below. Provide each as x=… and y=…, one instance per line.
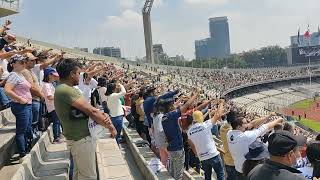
x=21, y=159
x=57, y=141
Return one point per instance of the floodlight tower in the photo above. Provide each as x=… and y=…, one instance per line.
x=147, y=30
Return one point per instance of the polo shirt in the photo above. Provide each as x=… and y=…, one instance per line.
x=239, y=142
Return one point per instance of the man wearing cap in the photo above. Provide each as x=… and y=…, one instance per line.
x=36, y=91
x=202, y=143
x=283, y=149
x=244, y=133
x=148, y=105
x=173, y=134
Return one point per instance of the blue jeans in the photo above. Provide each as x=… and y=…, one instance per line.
x=4, y=99
x=23, y=114
x=56, y=125
x=231, y=172
x=117, y=122
x=35, y=115
x=216, y=164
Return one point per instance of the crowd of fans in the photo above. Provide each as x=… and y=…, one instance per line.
x=179, y=122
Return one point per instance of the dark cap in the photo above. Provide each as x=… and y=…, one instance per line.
x=150, y=89
x=257, y=151
x=163, y=102
x=282, y=142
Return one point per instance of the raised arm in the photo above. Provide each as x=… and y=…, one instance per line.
x=184, y=107
x=48, y=62
x=257, y=122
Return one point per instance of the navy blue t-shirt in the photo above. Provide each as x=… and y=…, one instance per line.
x=172, y=130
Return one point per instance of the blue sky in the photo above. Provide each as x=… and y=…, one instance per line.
x=176, y=23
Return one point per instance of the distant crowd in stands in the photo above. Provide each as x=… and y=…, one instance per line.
x=179, y=122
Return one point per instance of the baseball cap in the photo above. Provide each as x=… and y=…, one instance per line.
x=198, y=116
x=8, y=49
x=30, y=56
x=150, y=89
x=257, y=151
x=17, y=57
x=49, y=71
x=282, y=142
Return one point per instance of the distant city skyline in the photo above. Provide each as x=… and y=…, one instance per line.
x=175, y=24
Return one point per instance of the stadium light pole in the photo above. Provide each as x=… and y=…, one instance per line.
x=146, y=11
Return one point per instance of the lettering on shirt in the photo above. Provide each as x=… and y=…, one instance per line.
x=196, y=130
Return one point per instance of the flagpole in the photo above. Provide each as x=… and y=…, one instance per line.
x=309, y=58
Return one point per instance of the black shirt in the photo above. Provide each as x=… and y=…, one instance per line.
x=271, y=170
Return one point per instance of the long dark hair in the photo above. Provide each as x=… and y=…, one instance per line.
x=10, y=67
x=110, y=88
x=313, y=154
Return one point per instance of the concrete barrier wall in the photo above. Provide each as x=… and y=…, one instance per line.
x=143, y=154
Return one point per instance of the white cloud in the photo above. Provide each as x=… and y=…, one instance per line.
x=128, y=19
x=127, y=4
x=125, y=31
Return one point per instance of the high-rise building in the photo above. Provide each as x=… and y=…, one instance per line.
x=218, y=44
x=158, y=53
x=314, y=40
x=157, y=48
x=108, y=51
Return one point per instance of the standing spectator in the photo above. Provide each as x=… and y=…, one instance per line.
x=140, y=113
x=173, y=134
x=159, y=136
x=115, y=107
x=36, y=92
x=313, y=154
x=51, y=75
x=283, y=149
x=257, y=154
x=148, y=104
x=18, y=89
x=67, y=101
x=203, y=145
x=240, y=137
x=228, y=161
x=102, y=89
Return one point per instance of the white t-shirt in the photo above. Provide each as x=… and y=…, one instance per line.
x=48, y=90
x=87, y=89
x=157, y=123
x=239, y=142
x=114, y=103
x=200, y=135
x=39, y=73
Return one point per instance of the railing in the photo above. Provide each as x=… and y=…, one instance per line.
x=10, y=4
